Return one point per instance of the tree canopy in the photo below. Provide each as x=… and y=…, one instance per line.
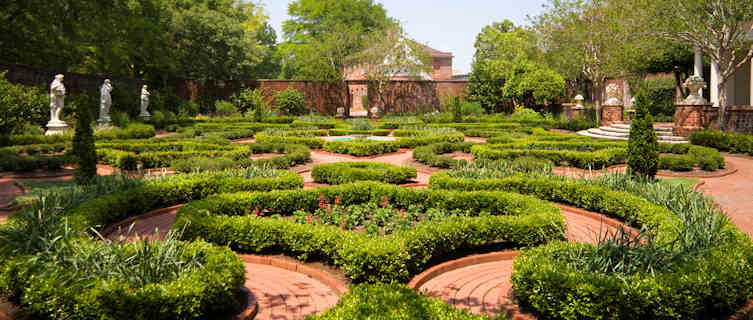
x=322, y=36
x=151, y=39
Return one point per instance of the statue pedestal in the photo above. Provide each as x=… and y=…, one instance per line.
x=611, y=114
x=104, y=121
x=690, y=118
x=145, y=115
x=55, y=127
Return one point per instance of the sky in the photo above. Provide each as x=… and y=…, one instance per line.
x=445, y=25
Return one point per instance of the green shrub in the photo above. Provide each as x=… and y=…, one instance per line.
x=313, y=143
x=290, y=155
x=247, y=100
x=676, y=163
x=597, y=159
x=643, y=148
x=120, y=119
x=291, y=102
x=361, y=147
x=346, y=172
x=431, y=155
x=83, y=147
x=21, y=106
x=224, y=109
x=360, y=124
x=345, y=132
x=723, y=141
x=490, y=217
x=202, y=164
x=392, y=302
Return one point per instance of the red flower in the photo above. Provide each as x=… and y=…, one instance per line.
x=337, y=200
x=384, y=202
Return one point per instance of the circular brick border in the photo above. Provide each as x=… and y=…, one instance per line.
x=511, y=311
x=347, y=156
x=127, y=222
x=320, y=276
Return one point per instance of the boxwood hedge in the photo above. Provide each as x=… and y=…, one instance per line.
x=345, y=172
x=361, y=147
x=225, y=219
x=708, y=284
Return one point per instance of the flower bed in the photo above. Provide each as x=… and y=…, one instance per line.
x=345, y=172
x=255, y=222
x=431, y=155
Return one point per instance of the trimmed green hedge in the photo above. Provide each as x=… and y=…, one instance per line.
x=361, y=147
x=392, y=302
x=588, y=159
x=723, y=141
x=313, y=143
x=290, y=155
x=224, y=219
x=412, y=142
x=10, y=161
x=105, y=210
x=345, y=172
x=207, y=291
x=715, y=282
x=345, y=132
x=431, y=155
x=134, y=131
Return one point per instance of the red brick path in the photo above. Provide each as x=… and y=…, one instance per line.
x=485, y=288
x=735, y=192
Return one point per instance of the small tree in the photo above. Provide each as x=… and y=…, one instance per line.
x=83, y=146
x=291, y=102
x=643, y=148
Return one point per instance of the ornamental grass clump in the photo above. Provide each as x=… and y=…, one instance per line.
x=495, y=169
x=643, y=147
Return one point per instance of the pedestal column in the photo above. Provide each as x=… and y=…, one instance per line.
x=690, y=118
x=611, y=114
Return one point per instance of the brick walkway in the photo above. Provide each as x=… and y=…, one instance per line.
x=284, y=294
x=735, y=192
x=485, y=288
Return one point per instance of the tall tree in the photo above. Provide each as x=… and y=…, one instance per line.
x=322, y=36
x=508, y=69
x=721, y=29
x=391, y=54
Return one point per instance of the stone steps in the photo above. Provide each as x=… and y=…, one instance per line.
x=621, y=131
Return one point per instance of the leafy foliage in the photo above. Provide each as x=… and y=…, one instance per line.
x=291, y=102
x=83, y=146
x=643, y=147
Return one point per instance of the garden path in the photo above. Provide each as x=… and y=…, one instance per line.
x=485, y=288
x=734, y=193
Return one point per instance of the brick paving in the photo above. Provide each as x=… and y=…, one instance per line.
x=283, y=294
x=485, y=288
x=734, y=193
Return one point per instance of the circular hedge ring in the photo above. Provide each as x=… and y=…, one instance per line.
x=345, y=172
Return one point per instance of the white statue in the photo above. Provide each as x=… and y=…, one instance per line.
x=57, y=99
x=144, y=102
x=694, y=84
x=105, y=102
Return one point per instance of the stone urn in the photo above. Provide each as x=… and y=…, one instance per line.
x=340, y=113
x=374, y=111
x=695, y=84
x=579, y=102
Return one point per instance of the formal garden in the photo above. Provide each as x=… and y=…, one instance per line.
x=185, y=164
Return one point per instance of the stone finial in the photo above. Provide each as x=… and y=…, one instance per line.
x=694, y=84
x=340, y=111
x=579, y=102
x=613, y=95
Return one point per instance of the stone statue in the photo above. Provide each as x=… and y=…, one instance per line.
x=613, y=95
x=144, y=102
x=694, y=84
x=105, y=102
x=57, y=100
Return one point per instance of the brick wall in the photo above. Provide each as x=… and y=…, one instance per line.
x=610, y=115
x=689, y=119
x=74, y=82
x=442, y=68
x=413, y=96
x=739, y=119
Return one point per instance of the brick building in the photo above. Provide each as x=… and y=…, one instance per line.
x=442, y=71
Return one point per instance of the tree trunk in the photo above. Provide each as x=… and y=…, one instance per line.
x=722, y=90
x=596, y=94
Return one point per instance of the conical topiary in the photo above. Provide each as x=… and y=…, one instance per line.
x=83, y=147
x=643, y=147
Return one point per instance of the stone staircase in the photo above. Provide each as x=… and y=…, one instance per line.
x=621, y=131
